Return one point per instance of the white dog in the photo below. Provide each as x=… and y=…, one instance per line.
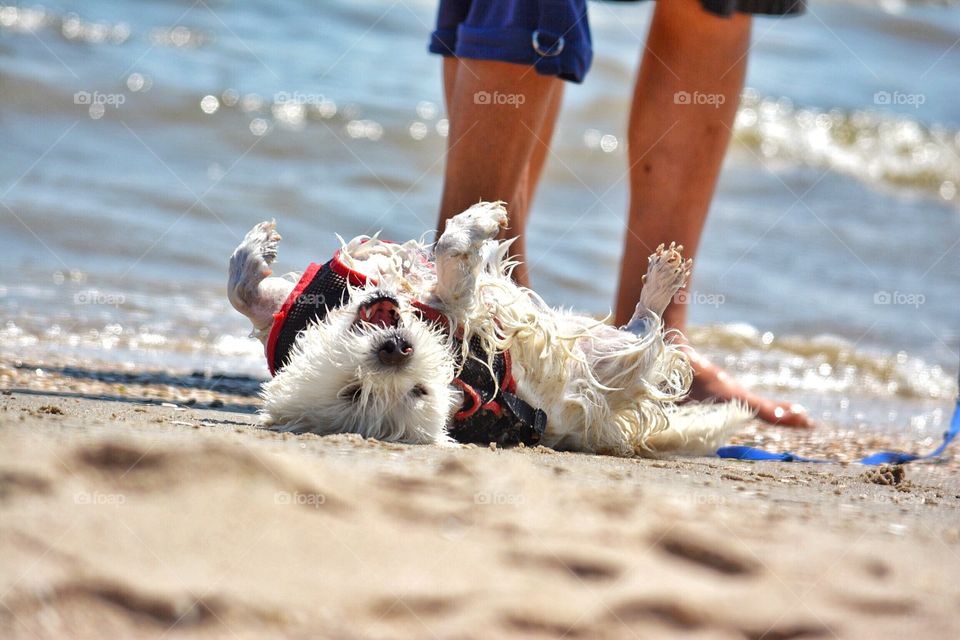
x=403, y=343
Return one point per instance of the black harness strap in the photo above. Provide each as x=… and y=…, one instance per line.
x=491, y=411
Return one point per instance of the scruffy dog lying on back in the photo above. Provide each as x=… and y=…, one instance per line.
x=432, y=344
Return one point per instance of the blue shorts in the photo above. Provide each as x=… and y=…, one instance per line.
x=551, y=35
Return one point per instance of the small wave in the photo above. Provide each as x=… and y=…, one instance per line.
x=898, y=6
x=179, y=37
x=146, y=345
x=72, y=28
x=822, y=364
x=877, y=148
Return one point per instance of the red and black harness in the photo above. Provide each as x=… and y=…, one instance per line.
x=491, y=410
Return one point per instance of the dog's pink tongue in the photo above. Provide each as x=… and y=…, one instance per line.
x=382, y=314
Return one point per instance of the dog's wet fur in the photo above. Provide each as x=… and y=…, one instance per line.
x=374, y=366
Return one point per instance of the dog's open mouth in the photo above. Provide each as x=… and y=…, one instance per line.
x=380, y=311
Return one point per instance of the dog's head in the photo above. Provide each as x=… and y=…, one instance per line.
x=373, y=366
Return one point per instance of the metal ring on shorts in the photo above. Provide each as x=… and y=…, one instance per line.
x=557, y=48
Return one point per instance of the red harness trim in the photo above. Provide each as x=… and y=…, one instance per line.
x=509, y=382
x=430, y=313
x=281, y=316
x=355, y=278
x=494, y=406
x=463, y=414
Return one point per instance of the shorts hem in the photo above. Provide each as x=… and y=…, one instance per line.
x=444, y=42
x=727, y=8
x=511, y=45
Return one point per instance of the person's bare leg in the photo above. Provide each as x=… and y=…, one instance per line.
x=497, y=151
x=450, y=67
x=542, y=147
x=676, y=149
x=529, y=182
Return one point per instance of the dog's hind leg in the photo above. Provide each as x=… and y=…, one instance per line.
x=667, y=273
x=459, y=254
x=250, y=289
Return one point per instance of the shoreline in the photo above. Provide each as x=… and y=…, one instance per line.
x=137, y=515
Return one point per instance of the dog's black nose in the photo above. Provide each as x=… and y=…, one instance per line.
x=395, y=350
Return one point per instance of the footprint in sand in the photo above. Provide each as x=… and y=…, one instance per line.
x=585, y=569
x=709, y=556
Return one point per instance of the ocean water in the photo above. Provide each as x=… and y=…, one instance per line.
x=139, y=140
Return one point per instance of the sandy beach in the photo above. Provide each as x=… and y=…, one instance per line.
x=139, y=496
x=148, y=506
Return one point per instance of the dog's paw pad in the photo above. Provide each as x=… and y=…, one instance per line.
x=485, y=220
x=667, y=269
x=263, y=240
x=667, y=273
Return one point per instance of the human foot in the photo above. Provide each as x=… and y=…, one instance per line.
x=710, y=382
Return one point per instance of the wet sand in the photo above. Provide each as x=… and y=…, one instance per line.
x=151, y=505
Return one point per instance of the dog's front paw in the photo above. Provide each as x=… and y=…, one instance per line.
x=667, y=273
x=484, y=220
x=250, y=264
x=459, y=253
x=466, y=232
x=262, y=241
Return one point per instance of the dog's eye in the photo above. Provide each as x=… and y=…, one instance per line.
x=419, y=391
x=351, y=393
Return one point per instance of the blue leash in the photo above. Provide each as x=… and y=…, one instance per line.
x=738, y=452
